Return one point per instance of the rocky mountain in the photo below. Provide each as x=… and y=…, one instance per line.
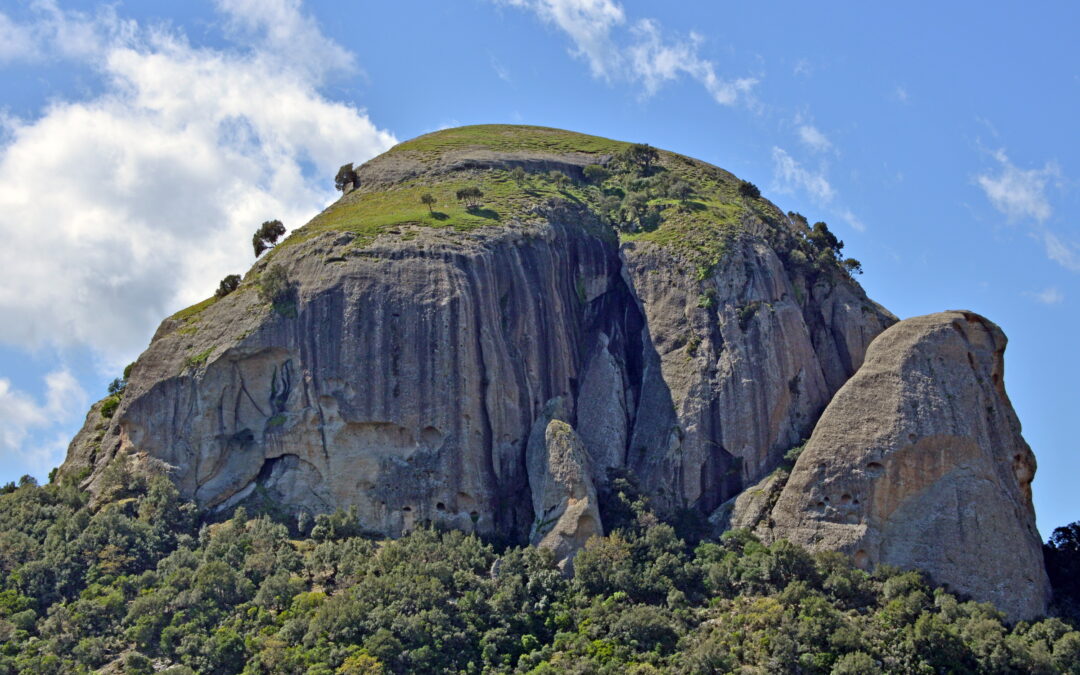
x=489, y=362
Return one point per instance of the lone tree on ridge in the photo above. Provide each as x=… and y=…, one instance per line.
x=267, y=234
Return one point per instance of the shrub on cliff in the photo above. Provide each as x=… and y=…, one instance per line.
x=227, y=285
x=749, y=190
x=345, y=176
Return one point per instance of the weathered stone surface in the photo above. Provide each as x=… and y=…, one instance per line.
x=752, y=508
x=405, y=375
x=565, y=507
x=918, y=462
x=739, y=369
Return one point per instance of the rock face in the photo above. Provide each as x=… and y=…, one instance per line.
x=918, y=462
x=565, y=507
x=405, y=373
x=489, y=368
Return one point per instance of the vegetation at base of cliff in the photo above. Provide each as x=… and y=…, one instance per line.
x=139, y=585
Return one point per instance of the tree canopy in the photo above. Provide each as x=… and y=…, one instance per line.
x=266, y=236
x=345, y=175
x=139, y=584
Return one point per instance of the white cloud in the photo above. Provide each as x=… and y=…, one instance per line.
x=589, y=24
x=287, y=35
x=900, y=93
x=638, y=53
x=1019, y=194
x=790, y=174
x=21, y=416
x=852, y=220
x=812, y=138
x=1066, y=254
x=1049, y=296
x=655, y=62
x=121, y=208
x=500, y=70
x=16, y=42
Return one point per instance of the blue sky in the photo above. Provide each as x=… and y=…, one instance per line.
x=141, y=142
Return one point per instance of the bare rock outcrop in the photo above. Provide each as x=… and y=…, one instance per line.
x=409, y=364
x=918, y=462
x=747, y=362
x=563, y=495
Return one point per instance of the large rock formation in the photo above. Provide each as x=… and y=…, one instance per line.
x=488, y=367
x=918, y=462
x=408, y=364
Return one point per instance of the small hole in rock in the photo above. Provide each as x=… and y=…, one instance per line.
x=407, y=508
x=441, y=506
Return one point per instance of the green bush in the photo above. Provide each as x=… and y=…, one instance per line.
x=109, y=406
x=749, y=190
x=227, y=285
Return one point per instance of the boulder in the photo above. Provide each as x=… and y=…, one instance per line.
x=563, y=495
x=918, y=462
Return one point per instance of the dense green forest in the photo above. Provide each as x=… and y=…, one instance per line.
x=140, y=585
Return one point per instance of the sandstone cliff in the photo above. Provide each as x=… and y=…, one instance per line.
x=918, y=462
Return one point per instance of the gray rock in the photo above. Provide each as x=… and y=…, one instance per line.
x=918, y=462
x=565, y=507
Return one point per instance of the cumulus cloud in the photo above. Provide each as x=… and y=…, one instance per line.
x=21, y=415
x=120, y=208
x=812, y=138
x=1019, y=194
x=287, y=35
x=636, y=52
